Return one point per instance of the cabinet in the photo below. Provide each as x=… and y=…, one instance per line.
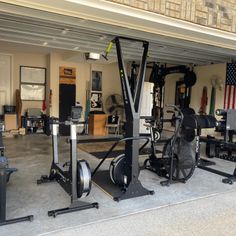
x=97, y=123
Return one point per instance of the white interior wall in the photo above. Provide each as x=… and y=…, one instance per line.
x=204, y=76
x=26, y=59
x=52, y=61
x=110, y=79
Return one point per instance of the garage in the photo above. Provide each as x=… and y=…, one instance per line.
x=117, y=117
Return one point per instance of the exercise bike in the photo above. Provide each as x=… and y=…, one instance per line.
x=177, y=160
x=74, y=176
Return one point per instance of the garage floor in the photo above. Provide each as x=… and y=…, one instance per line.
x=201, y=206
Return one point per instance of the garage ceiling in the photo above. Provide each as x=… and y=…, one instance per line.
x=54, y=31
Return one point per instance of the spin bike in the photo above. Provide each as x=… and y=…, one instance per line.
x=74, y=176
x=177, y=160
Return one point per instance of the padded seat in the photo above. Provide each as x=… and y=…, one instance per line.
x=199, y=121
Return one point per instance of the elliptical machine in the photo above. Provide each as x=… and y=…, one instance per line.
x=74, y=176
x=177, y=160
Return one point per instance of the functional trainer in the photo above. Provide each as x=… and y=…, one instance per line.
x=121, y=181
x=5, y=173
x=158, y=77
x=74, y=176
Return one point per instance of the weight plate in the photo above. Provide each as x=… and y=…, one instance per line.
x=190, y=78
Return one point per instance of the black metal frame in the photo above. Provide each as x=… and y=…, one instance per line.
x=158, y=77
x=227, y=128
x=132, y=106
x=4, y=176
x=67, y=179
x=230, y=178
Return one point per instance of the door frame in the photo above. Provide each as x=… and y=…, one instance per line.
x=11, y=74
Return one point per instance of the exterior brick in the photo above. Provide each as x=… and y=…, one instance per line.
x=220, y=14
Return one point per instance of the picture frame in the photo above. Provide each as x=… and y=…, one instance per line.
x=96, y=81
x=32, y=83
x=96, y=101
x=32, y=75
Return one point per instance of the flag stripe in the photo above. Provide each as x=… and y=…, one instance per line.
x=225, y=96
x=233, y=106
x=230, y=86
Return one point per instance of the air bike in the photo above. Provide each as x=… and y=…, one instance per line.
x=74, y=176
x=121, y=180
x=176, y=162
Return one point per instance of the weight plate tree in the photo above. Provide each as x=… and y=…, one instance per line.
x=128, y=185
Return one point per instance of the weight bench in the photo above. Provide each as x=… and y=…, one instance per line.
x=200, y=122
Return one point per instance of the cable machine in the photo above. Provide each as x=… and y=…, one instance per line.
x=157, y=77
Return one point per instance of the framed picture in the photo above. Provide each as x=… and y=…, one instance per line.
x=96, y=101
x=32, y=75
x=32, y=92
x=67, y=72
x=96, y=81
x=32, y=83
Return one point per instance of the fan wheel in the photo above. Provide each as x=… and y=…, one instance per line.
x=183, y=161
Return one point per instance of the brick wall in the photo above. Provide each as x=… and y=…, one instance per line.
x=220, y=14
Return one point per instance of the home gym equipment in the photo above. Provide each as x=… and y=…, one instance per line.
x=74, y=176
x=158, y=76
x=124, y=170
x=177, y=160
x=223, y=148
x=5, y=173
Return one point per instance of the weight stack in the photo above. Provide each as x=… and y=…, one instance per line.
x=210, y=148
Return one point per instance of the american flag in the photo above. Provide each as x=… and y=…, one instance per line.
x=230, y=86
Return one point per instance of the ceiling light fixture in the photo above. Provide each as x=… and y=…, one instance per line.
x=75, y=48
x=45, y=43
x=92, y=56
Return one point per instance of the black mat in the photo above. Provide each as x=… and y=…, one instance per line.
x=97, y=140
x=115, y=153
x=204, y=162
x=103, y=181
